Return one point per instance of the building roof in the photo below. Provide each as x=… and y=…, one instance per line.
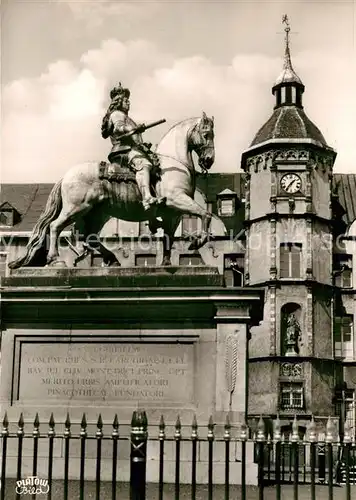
x=29, y=200
x=288, y=122
x=344, y=186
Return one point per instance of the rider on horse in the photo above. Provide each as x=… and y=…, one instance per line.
x=128, y=147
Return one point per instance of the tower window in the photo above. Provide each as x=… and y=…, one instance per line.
x=294, y=95
x=291, y=396
x=344, y=337
x=290, y=260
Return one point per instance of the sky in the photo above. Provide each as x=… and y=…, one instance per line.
x=60, y=58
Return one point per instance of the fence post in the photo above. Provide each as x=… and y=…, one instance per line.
x=321, y=458
x=138, y=455
x=346, y=456
x=261, y=438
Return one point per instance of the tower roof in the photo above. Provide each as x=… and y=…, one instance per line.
x=288, y=120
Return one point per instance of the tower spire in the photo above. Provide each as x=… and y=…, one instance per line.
x=287, y=60
x=288, y=86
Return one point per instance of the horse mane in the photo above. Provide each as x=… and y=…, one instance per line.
x=176, y=126
x=173, y=143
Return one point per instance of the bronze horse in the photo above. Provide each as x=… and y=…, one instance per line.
x=82, y=197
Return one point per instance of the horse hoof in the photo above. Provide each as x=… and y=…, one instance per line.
x=57, y=263
x=114, y=264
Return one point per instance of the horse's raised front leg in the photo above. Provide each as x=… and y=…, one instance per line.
x=185, y=204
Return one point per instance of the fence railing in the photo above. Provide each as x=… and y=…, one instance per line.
x=211, y=453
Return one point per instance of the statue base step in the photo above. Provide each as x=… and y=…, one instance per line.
x=155, y=276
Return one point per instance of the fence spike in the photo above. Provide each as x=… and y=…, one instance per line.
x=83, y=426
x=329, y=431
x=194, y=428
x=21, y=425
x=243, y=431
x=178, y=427
x=295, y=434
x=115, y=427
x=211, y=428
x=83, y=423
x=36, y=422
x=21, y=422
x=162, y=427
x=99, y=425
x=312, y=431
x=5, y=426
x=67, y=422
x=5, y=422
x=261, y=430
x=277, y=430
x=227, y=433
x=36, y=426
x=51, y=424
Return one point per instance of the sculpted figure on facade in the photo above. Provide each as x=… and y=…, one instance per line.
x=293, y=333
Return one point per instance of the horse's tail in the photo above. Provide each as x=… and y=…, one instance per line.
x=37, y=240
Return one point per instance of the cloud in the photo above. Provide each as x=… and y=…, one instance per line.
x=93, y=14
x=53, y=121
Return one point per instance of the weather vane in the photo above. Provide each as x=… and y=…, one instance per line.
x=285, y=21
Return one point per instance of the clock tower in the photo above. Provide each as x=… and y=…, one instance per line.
x=289, y=252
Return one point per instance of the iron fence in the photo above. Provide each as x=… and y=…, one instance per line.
x=277, y=459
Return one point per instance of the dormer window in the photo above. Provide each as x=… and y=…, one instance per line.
x=226, y=203
x=8, y=215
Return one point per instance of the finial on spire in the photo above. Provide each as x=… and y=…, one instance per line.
x=285, y=21
x=287, y=60
x=288, y=74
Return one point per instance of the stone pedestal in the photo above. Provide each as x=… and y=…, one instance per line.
x=109, y=342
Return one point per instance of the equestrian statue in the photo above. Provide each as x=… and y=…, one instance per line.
x=137, y=184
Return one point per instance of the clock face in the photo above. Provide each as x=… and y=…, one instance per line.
x=291, y=183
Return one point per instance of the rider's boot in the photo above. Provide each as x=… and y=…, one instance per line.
x=143, y=181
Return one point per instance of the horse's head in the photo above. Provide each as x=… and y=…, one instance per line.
x=202, y=141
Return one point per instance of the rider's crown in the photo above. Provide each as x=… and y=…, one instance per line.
x=119, y=91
